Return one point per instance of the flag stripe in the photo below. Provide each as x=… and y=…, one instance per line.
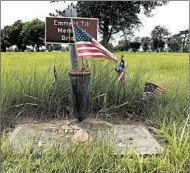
x=88, y=51
x=160, y=89
x=151, y=90
x=88, y=47
x=92, y=56
x=84, y=42
x=84, y=45
x=91, y=53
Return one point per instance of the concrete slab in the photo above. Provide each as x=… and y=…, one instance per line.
x=136, y=138
x=62, y=133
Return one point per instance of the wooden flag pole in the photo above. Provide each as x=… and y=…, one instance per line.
x=72, y=47
x=75, y=44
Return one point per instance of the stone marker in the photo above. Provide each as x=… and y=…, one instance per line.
x=136, y=138
x=61, y=133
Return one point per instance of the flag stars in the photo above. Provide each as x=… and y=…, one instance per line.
x=81, y=35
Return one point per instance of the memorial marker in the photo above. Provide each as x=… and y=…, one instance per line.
x=59, y=29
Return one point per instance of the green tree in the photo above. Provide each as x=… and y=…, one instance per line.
x=33, y=33
x=56, y=47
x=179, y=42
x=174, y=43
x=67, y=48
x=126, y=45
x=110, y=46
x=159, y=36
x=135, y=46
x=52, y=47
x=15, y=35
x=123, y=45
x=5, y=39
x=49, y=47
x=115, y=16
x=186, y=46
x=145, y=42
x=184, y=38
x=11, y=35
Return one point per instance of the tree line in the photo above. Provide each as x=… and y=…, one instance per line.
x=160, y=40
x=22, y=34
x=114, y=17
x=31, y=33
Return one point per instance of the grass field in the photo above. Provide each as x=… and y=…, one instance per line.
x=28, y=91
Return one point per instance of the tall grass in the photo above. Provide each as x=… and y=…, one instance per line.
x=28, y=91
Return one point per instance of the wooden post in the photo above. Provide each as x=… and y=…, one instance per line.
x=72, y=48
x=80, y=81
x=73, y=57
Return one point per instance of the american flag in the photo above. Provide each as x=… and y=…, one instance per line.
x=151, y=90
x=88, y=47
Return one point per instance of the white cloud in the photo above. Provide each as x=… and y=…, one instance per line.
x=27, y=10
x=174, y=16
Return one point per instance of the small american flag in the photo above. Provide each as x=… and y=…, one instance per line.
x=151, y=90
x=88, y=47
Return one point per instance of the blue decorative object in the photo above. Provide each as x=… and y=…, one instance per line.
x=118, y=68
x=121, y=66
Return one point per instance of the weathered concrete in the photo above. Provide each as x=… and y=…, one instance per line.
x=137, y=138
x=62, y=133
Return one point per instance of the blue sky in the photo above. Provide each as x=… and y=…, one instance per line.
x=174, y=16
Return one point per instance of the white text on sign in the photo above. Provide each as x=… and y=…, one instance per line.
x=82, y=23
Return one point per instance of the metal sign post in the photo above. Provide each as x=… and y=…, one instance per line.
x=72, y=48
x=60, y=30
